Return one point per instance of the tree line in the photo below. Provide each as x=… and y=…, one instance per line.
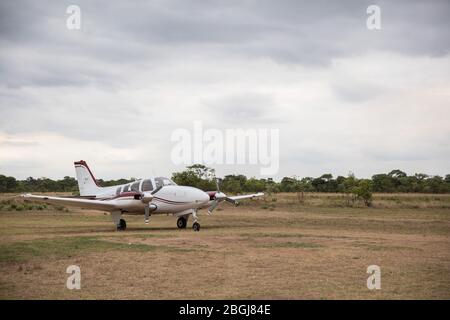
x=30, y=184
x=203, y=177
x=395, y=181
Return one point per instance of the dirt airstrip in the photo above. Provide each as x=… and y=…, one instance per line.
x=280, y=247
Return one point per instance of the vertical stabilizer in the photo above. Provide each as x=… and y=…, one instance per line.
x=86, y=182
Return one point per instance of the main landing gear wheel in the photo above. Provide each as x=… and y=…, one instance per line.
x=181, y=223
x=122, y=225
x=196, y=226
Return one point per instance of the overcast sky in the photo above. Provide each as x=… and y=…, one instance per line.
x=344, y=98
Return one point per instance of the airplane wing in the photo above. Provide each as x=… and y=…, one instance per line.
x=246, y=196
x=103, y=205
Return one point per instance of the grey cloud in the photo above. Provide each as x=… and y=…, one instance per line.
x=357, y=91
x=399, y=155
x=290, y=31
x=420, y=150
x=247, y=107
x=286, y=31
x=23, y=166
x=14, y=143
x=121, y=43
x=103, y=123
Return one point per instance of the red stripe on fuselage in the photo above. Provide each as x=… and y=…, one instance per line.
x=170, y=201
x=130, y=196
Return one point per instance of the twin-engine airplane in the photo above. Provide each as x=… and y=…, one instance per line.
x=147, y=196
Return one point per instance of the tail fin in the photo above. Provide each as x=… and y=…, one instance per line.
x=86, y=182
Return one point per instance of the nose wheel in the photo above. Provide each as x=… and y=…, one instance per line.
x=181, y=223
x=122, y=225
x=196, y=226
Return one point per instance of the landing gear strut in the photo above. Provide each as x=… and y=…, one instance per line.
x=181, y=223
x=122, y=225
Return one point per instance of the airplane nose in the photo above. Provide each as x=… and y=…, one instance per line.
x=203, y=197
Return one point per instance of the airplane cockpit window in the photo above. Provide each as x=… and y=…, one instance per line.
x=162, y=181
x=147, y=185
x=135, y=186
x=126, y=188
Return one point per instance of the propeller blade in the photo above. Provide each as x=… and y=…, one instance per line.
x=147, y=212
x=217, y=185
x=213, y=206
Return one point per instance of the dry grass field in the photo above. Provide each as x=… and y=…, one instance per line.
x=280, y=247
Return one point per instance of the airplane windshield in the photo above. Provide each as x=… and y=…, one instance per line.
x=162, y=181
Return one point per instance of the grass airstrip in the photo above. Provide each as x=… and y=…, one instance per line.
x=285, y=246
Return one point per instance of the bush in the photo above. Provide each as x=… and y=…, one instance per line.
x=363, y=191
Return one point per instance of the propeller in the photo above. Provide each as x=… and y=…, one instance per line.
x=218, y=197
x=146, y=198
x=147, y=213
x=213, y=206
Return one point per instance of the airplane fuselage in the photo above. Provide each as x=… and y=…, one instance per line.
x=170, y=199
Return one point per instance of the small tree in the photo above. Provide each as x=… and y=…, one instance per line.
x=197, y=175
x=363, y=191
x=349, y=186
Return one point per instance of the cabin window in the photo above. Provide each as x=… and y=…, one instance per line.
x=118, y=190
x=147, y=185
x=126, y=188
x=135, y=186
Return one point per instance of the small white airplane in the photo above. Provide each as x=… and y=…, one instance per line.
x=156, y=195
